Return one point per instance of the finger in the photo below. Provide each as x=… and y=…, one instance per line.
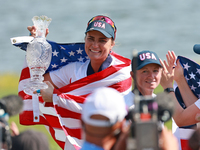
x=170, y=58
x=37, y=91
x=29, y=28
x=161, y=62
x=34, y=28
x=47, y=32
x=178, y=63
x=166, y=66
x=170, y=54
x=174, y=55
x=49, y=84
x=163, y=65
x=170, y=61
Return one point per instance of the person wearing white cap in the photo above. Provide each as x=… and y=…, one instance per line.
x=103, y=118
x=104, y=125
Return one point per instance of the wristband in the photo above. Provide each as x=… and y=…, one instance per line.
x=168, y=90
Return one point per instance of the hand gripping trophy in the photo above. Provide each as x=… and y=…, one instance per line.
x=38, y=57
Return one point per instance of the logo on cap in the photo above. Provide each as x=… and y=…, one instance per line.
x=100, y=25
x=148, y=55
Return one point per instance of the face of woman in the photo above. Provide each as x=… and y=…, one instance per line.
x=97, y=46
x=148, y=78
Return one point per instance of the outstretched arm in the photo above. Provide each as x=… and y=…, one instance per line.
x=188, y=116
x=188, y=97
x=181, y=116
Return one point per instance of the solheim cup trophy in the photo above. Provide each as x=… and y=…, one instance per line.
x=38, y=55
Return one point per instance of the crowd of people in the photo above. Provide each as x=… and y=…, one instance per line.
x=107, y=103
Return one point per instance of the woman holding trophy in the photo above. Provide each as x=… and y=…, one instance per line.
x=69, y=85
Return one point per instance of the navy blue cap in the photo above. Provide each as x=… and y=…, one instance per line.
x=146, y=57
x=103, y=27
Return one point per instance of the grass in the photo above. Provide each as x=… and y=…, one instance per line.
x=9, y=85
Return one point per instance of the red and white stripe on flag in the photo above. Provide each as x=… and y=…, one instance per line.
x=182, y=135
x=62, y=118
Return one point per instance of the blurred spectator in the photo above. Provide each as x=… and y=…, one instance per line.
x=194, y=141
x=167, y=140
x=28, y=140
x=103, y=120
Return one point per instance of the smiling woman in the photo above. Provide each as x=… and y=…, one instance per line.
x=147, y=74
x=97, y=47
x=69, y=85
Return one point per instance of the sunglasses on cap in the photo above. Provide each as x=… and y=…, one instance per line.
x=104, y=18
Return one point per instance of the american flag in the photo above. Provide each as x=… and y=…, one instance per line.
x=62, y=118
x=62, y=54
x=192, y=76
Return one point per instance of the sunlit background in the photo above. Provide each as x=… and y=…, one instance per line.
x=154, y=25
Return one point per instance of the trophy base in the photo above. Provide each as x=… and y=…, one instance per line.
x=33, y=86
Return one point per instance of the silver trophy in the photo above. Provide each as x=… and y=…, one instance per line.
x=38, y=55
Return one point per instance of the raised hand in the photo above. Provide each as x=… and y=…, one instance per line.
x=168, y=70
x=32, y=30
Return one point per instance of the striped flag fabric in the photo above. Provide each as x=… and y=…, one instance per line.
x=62, y=117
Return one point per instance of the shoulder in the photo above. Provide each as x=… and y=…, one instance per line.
x=116, y=61
x=120, y=59
x=72, y=66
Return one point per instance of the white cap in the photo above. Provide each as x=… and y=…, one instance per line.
x=107, y=102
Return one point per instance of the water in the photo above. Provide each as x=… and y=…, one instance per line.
x=141, y=24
